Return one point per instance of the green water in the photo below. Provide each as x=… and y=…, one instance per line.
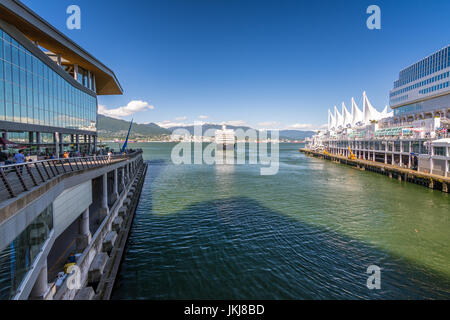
x=309, y=232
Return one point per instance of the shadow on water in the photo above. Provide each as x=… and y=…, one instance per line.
x=238, y=249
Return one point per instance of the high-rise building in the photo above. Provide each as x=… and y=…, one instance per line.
x=48, y=85
x=423, y=89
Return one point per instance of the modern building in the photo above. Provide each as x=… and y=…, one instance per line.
x=48, y=85
x=413, y=135
x=59, y=218
x=423, y=89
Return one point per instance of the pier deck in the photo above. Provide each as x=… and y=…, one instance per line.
x=431, y=181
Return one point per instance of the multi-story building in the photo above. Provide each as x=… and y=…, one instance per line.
x=48, y=85
x=423, y=89
x=414, y=135
x=66, y=212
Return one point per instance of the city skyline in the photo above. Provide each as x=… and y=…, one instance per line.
x=242, y=64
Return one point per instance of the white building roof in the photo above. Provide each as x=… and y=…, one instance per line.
x=441, y=141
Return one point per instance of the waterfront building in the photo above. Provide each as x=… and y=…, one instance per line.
x=48, y=85
x=423, y=89
x=59, y=218
x=413, y=135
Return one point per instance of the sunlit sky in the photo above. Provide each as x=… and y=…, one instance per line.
x=266, y=64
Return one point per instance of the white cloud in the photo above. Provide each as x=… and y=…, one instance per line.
x=131, y=108
x=306, y=126
x=170, y=123
x=268, y=124
x=203, y=117
x=300, y=126
x=180, y=118
x=236, y=123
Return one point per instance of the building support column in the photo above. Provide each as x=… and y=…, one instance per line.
x=116, y=184
x=446, y=168
x=84, y=237
x=5, y=136
x=104, y=210
x=56, y=142
x=38, y=142
x=61, y=142
x=90, y=147
x=95, y=144
x=409, y=156
x=77, y=142
x=40, y=288
x=385, y=157
x=123, y=177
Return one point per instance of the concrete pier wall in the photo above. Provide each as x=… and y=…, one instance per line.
x=97, y=247
x=68, y=205
x=69, y=201
x=392, y=171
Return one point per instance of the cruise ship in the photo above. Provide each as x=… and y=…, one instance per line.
x=225, y=139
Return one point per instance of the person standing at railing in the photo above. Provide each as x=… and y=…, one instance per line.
x=19, y=158
x=109, y=156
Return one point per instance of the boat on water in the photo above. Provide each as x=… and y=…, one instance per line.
x=225, y=138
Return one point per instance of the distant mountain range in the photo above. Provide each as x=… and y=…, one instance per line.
x=208, y=126
x=111, y=128
x=284, y=134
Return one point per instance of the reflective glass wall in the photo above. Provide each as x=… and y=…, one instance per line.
x=31, y=92
x=18, y=257
x=433, y=63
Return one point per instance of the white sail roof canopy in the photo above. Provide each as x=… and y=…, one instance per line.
x=370, y=113
x=339, y=118
x=357, y=114
x=387, y=114
x=347, y=116
x=356, y=117
x=331, y=120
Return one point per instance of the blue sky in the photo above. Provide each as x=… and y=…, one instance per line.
x=278, y=64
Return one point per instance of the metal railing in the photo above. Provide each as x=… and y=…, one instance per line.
x=18, y=178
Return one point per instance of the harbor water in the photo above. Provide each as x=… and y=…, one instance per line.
x=309, y=232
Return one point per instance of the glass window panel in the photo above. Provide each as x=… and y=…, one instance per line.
x=16, y=112
x=2, y=100
x=33, y=92
x=22, y=58
x=15, y=55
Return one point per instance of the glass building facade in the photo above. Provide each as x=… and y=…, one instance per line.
x=18, y=257
x=31, y=92
x=424, y=87
x=432, y=64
